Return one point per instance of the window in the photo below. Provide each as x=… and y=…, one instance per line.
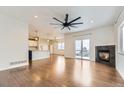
x=121, y=43
x=82, y=48
x=61, y=46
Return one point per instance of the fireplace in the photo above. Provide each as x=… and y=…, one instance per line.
x=105, y=55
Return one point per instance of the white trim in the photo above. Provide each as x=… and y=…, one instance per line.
x=120, y=37
x=80, y=59
x=15, y=66
x=122, y=75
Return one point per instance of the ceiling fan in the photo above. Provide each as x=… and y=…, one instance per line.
x=66, y=23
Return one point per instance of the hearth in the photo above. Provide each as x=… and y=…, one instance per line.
x=106, y=55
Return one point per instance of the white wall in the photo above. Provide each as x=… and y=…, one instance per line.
x=13, y=42
x=119, y=57
x=99, y=36
x=55, y=46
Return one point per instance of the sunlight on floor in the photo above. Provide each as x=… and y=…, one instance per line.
x=82, y=72
x=60, y=65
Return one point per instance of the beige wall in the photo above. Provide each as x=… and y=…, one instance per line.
x=99, y=36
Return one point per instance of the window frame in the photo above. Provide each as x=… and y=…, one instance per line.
x=121, y=39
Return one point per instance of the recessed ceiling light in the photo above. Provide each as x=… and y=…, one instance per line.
x=91, y=21
x=35, y=16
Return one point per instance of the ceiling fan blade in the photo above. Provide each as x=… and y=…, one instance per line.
x=66, y=18
x=76, y=23
x=74, y=20
x=62, y=28
x=69, y=28
x=57, y=20
x=73, y=26
x=54, y=24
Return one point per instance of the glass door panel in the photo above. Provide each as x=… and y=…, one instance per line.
x=86, y=49
x=82, y=49
x=78, y=48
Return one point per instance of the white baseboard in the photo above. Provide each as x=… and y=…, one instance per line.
x=122, y=75
x=80, y=58
x=15, y=66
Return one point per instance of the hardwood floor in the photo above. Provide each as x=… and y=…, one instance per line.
x=60, y=72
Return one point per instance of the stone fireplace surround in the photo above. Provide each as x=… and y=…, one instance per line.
x=111, y=51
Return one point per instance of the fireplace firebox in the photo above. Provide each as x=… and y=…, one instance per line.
x=105, y=54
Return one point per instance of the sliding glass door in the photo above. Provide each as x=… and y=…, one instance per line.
x=78, y=48
x=82, y=49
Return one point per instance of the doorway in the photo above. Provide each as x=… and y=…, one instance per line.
x=82, y=48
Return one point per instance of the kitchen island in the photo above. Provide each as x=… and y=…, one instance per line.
x=38, y=54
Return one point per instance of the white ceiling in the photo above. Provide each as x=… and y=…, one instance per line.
x=102, y=15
